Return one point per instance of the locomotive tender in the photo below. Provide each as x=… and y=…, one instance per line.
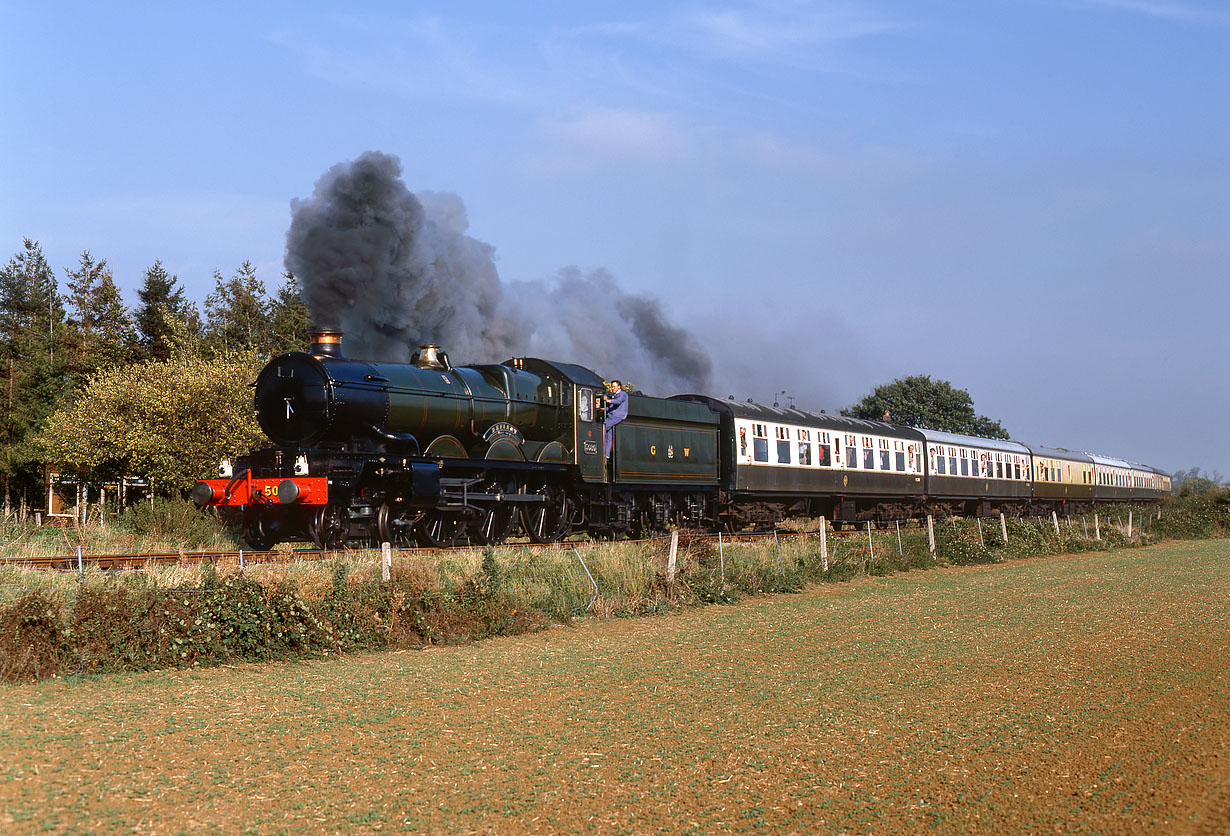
x=428, y=453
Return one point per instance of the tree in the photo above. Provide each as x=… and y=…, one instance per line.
x=33, y=358
x=166, y=322
x=919, y=401
x=237, y=312
x=289, y=319
x=170, y=421
x=1195, y=482
x=105, y=335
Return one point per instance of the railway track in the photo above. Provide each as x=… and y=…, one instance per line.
x=122, y=561
x=140, y=561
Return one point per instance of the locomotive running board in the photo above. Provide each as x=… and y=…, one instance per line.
x=450, y=488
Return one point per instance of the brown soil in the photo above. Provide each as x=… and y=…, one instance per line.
x=1067, y=695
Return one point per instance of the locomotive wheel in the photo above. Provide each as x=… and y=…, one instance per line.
x=548, y=522
x=492, y=526
x=331, y=527
x=255, y=536
x=396, y=527
x=494, y=522
x=438, y=531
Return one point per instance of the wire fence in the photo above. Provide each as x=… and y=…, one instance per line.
x=573, y=577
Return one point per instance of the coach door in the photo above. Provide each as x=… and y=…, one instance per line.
x=590, y=443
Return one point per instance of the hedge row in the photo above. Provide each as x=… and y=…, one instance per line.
x=221, y=619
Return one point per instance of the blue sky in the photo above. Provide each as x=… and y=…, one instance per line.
x=1030, y=198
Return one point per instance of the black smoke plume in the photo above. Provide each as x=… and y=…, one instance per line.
x=394, y=271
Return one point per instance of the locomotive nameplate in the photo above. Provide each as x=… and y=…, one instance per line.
x=503, y=429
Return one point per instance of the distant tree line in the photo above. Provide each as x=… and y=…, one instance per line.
x=159, y=390
x=1194, y=481
x=99, y=390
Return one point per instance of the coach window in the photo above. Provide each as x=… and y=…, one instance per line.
x=964, y=462
x=805, y=447
x=940, y=463
x=1016, y=460
x=869, y=454
x=952, y=460
x=825, y=461
x=885, y=456
x=900, y=445
x=851, y=451
x=783, y=445
x=760, y=443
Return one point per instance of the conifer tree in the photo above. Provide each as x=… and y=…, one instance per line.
x=237, y=312
x=289, y=318
x=33, y=360
x=104, y=332
x=163, y=316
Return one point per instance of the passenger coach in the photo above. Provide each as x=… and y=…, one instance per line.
x=777, y=462
x=971, y=475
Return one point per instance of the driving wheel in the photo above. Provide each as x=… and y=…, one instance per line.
x=331, y=527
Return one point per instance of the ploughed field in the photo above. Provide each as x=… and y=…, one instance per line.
x=1074, y=694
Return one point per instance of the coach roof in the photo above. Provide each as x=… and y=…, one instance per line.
x=959, y=440
x=797, y=417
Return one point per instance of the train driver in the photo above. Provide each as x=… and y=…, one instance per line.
x=616, y=411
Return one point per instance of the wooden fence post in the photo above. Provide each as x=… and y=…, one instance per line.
x=1003, y=527
x=1097, y=528
x=1055, y=519
x=824, y=544
x=670, y=561
x=386, y=561
x=931, y=534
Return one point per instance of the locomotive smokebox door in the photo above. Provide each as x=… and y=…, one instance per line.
x=591, y=444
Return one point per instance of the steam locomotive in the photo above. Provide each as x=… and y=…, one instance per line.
x=427, y=453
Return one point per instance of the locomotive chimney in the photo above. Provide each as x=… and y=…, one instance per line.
x=325, y=344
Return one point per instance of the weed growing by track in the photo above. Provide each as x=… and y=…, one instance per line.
x=55, y=623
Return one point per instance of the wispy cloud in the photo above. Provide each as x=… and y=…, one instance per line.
x=776, y=31
x=1189, y=13
x=798, y=34
x=622, y=132
x=424, y=56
